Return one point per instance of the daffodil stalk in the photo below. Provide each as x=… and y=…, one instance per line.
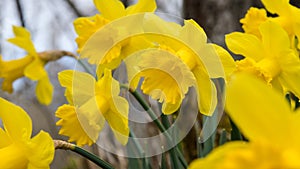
x=137, y=144
x=161, y=127
x=59, y=144
x=174, y=158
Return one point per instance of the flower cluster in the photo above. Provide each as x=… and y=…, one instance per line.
x=164, y=60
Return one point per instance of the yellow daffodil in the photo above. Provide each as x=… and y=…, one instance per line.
x=288, y=18
x=271, y=58
x=17, y=149
x=91, y=103
x=30, y=66
x=111, y=10
x=196, y=69
x=266, y=119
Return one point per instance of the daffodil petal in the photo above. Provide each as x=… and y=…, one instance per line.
x=12, y=70
x=155, y=24
x=12, y=156
x=141, y=6
x=15, y=120
x=291, y=81
x=90, y=116
x=70, y=125
x=170, y=108
x=4, y=139
x=228, y=63
x=111, y=10
x=289, y=77
x=40, y=151
x=35, y=70
x=245, y=44
x=217, y=158
x=80, y=86
x=279, y=7
x=297, y=32
x=23, y=40
x=242, y=95
x=117, y=119
x=44, y=91
x=108, y=85
x=85, y=27
x=188, y=31
x=206, y=92
x=274, y=45
x=278, y=85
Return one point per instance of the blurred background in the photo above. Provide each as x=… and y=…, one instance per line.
x=51, y=25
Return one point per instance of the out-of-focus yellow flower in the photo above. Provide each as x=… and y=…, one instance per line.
x=272, y=139
x=13, y=70
x=111, y=10
x=32, y=66
x=17, y=149
x=271, y=58
x=288, y=18
x=91, y=103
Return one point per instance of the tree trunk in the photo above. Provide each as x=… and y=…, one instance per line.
x=218, y=17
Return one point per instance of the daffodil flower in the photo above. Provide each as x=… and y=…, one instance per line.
x=266, y=119
x=17, y=148
x=288, y=18
x=111, y=10
x=30, y=66
x=271, y=58
x=91, y=103
x=192, y=69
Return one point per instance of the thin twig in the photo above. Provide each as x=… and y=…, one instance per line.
x=73, y=7
x=22, y=19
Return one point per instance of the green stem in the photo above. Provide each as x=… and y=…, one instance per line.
x=174, y=157
x=150, y=112
x=59, y=144
x=93, y=158
x=235, y=132
x=137, y=144
x=87, y=69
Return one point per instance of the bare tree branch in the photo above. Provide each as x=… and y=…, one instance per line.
x=73, y=7
x=20, y=11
